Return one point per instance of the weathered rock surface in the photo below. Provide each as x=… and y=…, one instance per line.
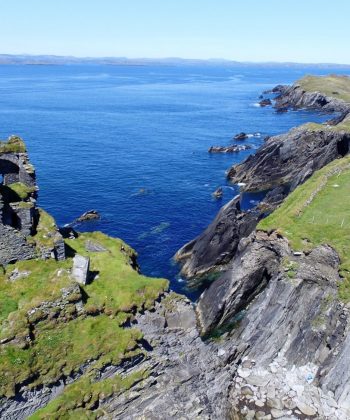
x=216, y=246
x=294, y=328
x=189, y=379
x=218, y=193
x=289, y=159
x=241, y=136
x=229, y=149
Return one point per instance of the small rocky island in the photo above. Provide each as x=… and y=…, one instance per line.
x=85, y=335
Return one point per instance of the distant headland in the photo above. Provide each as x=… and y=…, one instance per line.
x=27, y=59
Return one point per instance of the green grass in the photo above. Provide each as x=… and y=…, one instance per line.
x=343, y=126
x=332, y=86
x=14, y=144
x=45, y=231
x=16, y=297
x=118, y=286
x=21, y=190
x=15, y=192
x=96, y=334
x=318, y=212
x=78, y=398
x=60, y=349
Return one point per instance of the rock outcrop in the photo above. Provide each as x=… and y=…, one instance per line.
x=289, y=159
x=286, y=310
x=296, y=97
x=215, y=247
x=229, y=149
x=281, y=164
x=265, y=102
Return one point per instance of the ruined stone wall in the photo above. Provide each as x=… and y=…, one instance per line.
x=19, y=214
x=14, y=246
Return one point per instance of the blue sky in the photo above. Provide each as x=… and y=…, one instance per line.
x=245, y=30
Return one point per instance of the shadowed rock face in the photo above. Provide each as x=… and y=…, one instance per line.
x=289, y=159
x=218, y=243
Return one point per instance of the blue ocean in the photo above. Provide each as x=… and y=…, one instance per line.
x=132, y=142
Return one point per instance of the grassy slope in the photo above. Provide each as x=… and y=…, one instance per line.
x=13, y=144
x=318, y=212
x=343, y=126
x=337, y=87
x=62, y=347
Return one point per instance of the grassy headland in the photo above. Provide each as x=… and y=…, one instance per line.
x=333, y=86
x=318, y=212
x=40, y=348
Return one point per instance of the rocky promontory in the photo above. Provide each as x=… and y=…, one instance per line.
x=289, y=159
x=330, y=94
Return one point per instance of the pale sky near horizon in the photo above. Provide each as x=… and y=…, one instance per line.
x=312, y=31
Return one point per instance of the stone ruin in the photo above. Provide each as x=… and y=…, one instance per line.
x=19, y=215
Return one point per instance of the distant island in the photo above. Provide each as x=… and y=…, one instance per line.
x=26, y=59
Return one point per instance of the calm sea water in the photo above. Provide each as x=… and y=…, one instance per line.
x=132, y=143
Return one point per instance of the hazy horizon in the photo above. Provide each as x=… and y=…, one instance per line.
x=165, y=58
x=252, y=31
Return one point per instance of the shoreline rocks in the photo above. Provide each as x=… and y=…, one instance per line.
x=215, y=247
x=229, y=149
x=88, y=215
x=241, y=136
x=218, y=193
x=265, y=102
x=295, y=97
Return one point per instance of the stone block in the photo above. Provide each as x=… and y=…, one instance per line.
x=80, y=270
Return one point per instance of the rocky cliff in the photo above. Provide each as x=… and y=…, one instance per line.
x=330, y=94
x=278, y=167
x=282, y=291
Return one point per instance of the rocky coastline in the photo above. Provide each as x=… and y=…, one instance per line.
x=296, y=97
x=295, y=347
x=269, y=337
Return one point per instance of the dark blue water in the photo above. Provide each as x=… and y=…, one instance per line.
x=132, y=143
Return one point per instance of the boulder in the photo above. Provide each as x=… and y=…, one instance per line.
x=265, y=102
x=88, y=215
x=241, y=136
x=218, y=193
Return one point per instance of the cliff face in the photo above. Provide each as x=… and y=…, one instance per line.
x=286, y=296
x=290, y=159
x=293, y=325
x=279, y=166
x=215, y=247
